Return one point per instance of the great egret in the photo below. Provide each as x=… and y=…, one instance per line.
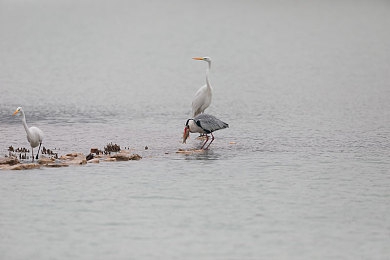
x=203, y=96
x=204, y=124
x=34, y=134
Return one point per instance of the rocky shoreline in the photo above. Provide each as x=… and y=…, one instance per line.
x=13, y=163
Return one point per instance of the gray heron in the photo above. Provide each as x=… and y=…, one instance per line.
x=203, y=124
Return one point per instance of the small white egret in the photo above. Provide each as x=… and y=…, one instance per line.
x=203, y=96
x=204, y=124
x=34, y=134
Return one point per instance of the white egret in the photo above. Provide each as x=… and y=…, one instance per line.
x=34, y=134
x=203, y=96
x=204, y=124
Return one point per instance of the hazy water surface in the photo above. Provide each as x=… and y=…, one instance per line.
x=301, y=173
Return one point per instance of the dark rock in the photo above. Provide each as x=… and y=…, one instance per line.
x=90, y=156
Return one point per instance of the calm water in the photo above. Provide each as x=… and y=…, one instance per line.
x=302, y=172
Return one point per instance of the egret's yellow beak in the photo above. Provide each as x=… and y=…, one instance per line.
x=197, y=58
x=16, y=111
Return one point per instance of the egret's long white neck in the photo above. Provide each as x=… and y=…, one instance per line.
x=25, y=123
x=207, y=74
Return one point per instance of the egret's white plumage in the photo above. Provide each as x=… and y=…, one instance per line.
x=203, y=96
x=34, y=134
x=203, y=124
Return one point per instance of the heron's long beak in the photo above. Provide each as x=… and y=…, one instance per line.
x=186, y=134
x=197, y=58
x=16, y=111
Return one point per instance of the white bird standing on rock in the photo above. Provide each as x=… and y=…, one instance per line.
x=204, y=124
x=203, y=96
x=34, y=134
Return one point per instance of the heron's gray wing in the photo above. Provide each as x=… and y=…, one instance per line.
x=209, y=123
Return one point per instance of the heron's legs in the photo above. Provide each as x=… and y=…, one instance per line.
x=212, y=139
x=207, y=138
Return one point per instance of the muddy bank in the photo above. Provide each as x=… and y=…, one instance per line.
x=14, y=163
